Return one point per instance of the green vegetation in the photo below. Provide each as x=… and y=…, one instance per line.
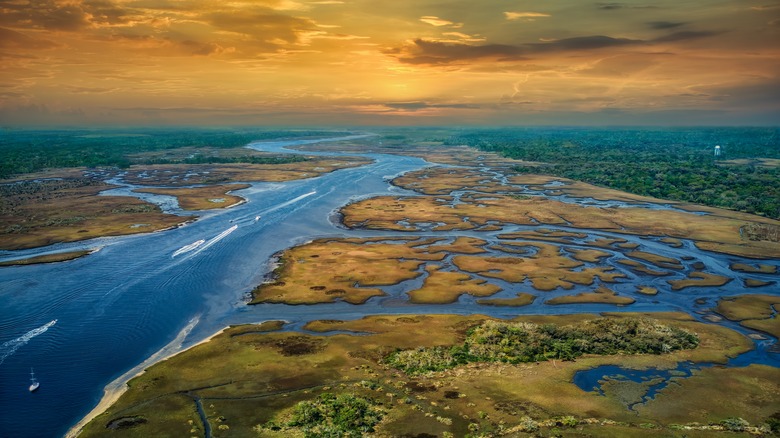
x=497, y=341
x=343, y=415
x=25, y=151
x=39, y=213
x=48, y=258
x=676, y=164
x=249, y=381
x=212, y=159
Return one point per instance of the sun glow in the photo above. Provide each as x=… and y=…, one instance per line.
x=79, y=62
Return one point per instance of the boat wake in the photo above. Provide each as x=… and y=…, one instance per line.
x=188, y=248
x=8, y=348
x=215, y=239
x=291, y=201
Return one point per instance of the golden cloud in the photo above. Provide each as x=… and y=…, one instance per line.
x=530, y=16
x=439, y=22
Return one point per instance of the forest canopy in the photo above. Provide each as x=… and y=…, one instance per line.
x=676, y=164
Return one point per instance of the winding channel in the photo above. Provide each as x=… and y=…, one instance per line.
x=99, y=319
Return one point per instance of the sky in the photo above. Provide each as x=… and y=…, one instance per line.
x=396, y=62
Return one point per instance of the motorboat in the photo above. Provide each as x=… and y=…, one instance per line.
x=34, y=382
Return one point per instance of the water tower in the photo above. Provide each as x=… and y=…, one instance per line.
x=717, y=150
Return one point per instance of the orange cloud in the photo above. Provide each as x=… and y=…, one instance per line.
x=277, y=60
x=422, y=51
x=17, y=40
x=439, y=22
x=530, y=16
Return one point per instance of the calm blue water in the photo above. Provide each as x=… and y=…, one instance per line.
x=591, y=379
x=117, y=307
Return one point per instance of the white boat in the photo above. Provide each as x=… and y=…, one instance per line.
x=257, y=218
x=188, y=248
x=35, y=384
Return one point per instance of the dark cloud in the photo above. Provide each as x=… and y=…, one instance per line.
x=615, y=5
x=665, y=24
x=56, y=15
x=262, y=24
x=435, y=52
x=202, y=49
x=609, y=6
x=104, y=12
x=582, y=43
x=13, y=39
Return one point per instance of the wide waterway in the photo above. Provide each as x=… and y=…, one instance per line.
x=84, y=323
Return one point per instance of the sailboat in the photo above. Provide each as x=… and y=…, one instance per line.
x=35, y=384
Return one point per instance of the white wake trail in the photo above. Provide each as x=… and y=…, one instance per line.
x=198, y=247
x=290, y=202
x=8, y=348
x=215, y=239
x=188, y=248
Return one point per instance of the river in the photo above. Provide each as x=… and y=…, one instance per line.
x=82, y=324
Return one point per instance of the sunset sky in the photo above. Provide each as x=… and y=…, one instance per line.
x=353, y=62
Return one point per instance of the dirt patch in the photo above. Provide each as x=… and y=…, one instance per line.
x=520, y=408
x=299, y=345
x=419, y=387
x=408, y=320
x=125, y=423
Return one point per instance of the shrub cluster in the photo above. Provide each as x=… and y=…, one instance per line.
x=343, y=415
x=498, y=341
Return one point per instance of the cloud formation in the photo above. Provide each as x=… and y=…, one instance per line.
x=264, y=61
x=61, y=15
x=422, y=51
x=17, y=40
x=439, y=22
x=662, y=25
x=524, y=15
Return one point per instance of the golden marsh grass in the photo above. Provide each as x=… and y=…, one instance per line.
x=441, y=287
x=69, y=211
x=602, y=295
x=328, y=270
x=247, y=376
x=201, y=198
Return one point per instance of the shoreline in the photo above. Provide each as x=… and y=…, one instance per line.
x=118, y=386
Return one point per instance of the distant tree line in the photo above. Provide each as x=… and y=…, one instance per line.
x=25, y=151
x=511, y=342
x=675, y=164
x=212, y=159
